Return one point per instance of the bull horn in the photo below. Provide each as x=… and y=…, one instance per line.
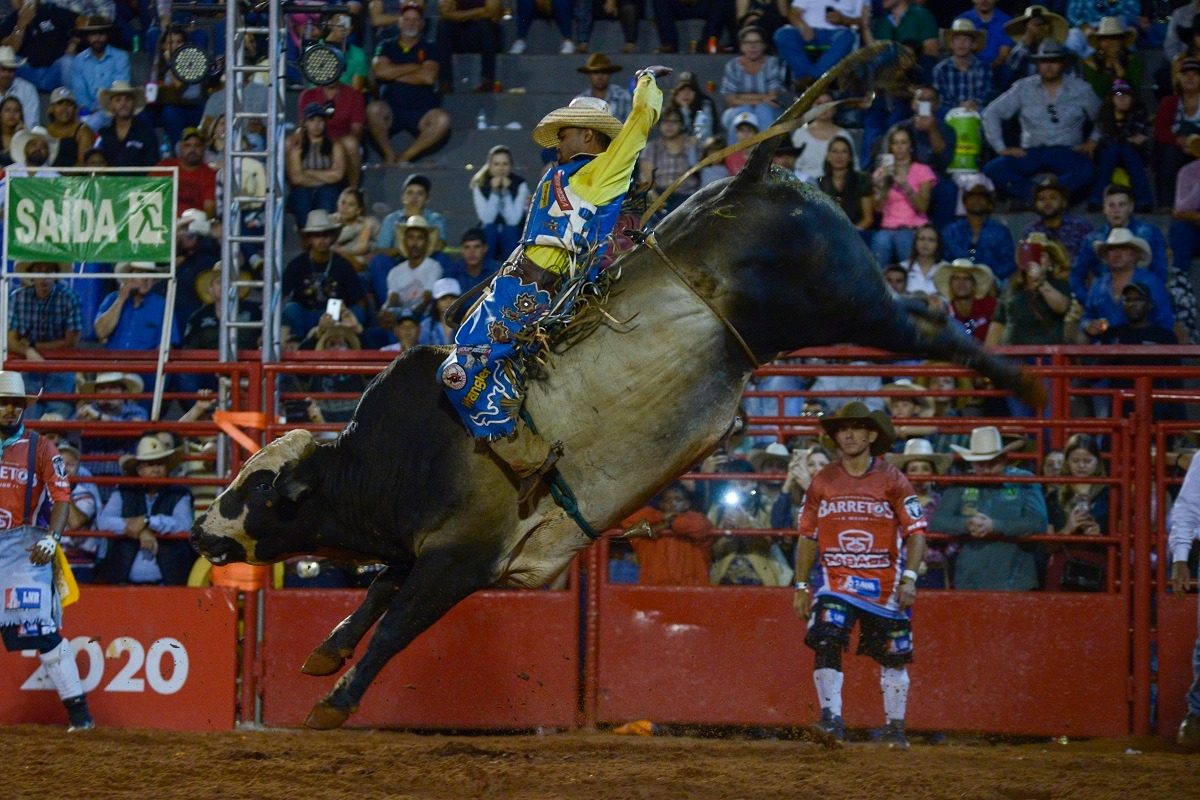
x=883, y=55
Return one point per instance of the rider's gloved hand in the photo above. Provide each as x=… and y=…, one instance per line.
x=657, y=71
x=43, y=550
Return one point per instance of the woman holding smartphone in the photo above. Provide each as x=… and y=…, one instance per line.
x=903, y=187
x=1079, y=508
x=1036, y=300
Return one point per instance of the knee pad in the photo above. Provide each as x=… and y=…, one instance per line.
x=828, y=656
x=60, y=666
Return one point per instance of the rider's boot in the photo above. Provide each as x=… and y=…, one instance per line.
x=528, y=455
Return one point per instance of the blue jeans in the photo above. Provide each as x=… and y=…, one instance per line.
x=50, y=383
x=47, y=79
x=526, y=11
x=501, y=239
x=838, y=42
x=303, y=199
x=1013, y=176
x=299, y=319
x=1125, y=155
x=1184, y=238
x=892, y=245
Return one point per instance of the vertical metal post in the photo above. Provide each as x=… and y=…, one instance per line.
x=1142, y=415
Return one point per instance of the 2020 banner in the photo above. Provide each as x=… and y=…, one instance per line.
x=85, y=218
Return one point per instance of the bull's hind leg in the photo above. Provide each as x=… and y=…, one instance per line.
x=437, y=583
x=331, y=654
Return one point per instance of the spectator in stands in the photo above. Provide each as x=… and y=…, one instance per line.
x=921, y=466
x=202, y=331
x=407, y=71
x=1126, y=255
x=964, y=79
x=196, y=251
x=907, y=401
x=1078, y=509
x=414, y=200
x=406, y=329
x=1177, y=119
x=680, y=551
x=1184, y=234
x=31, y=151
x=82, y=551
x=337, y=338
x=928, y=253
x=599, y=70
x=318, y=275
x=1137, y=301
x=410, y=283
x=699, y=111
x=501, y=199
x=744, y=560
x=43, y=33
x=254, y=101
x=848, y=187
x=1029, y=30
x=626, y=12
x=316, y=167
x=970, y=289
x=358, y=71
x=1052, y=109
x=346, y=116
x=104, y=405
x=356, y=239
x=867, y=384
x=1087, y=16
x=978, y=237
x=1053, y=466
x=144, y=514
x=1165, y=76
x=1005, y=512
x=44, y=315
x=1182, y=18
x=127, y=141
x=812, y=141
x=10, y=124
x=472, y=26
x=74, y=138
x=1118, y=212
x=717, y=15
x=559, y=10
x=912, y=26
x=475, y=264
x=934, y=143
x=1125, y=142
x=998, y=44
x=828, y=28
x=131, y=318
x=667, y=157
x=434, y=329
x=1032, y=307
x=1113, y=59
x=1050, y=201
x=197, y=180
x=895, y=277
x=21, y=89
x=744, y=125
x=802, y=466
x=903, y=187
x=97, y=68
x=752, y=82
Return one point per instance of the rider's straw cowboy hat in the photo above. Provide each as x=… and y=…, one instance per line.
x=150, y=449
x=921, y=450
x=105, y=96
x=1123, y=237
x=855, y=411
x=12, y=385
x=964, y=27
x=9, y=59
x=985, y=279
x=590, y=113
x=21, y=138
x=1112, y=28
x=986, y=444
x=1059, y=27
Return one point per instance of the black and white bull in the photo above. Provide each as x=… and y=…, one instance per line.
x=406, y=485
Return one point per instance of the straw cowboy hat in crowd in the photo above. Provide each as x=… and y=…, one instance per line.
x=1123, y=237
x=599, y=62
x=338, y=334
x=985, y=279
x=205, y=280
x=141, y=268
x=772, y=452
x=9, y=58
x=12, y=386
x=921, y=450
x=150, y=449
x=320, y=221
x=21, y=138
x=105, y=96
x=855, y=411
x=986, y=444
x=923, y=401
x=130, y=383
x=1112, y=28
x=964, y=27
x=42, y=266
x=418, y=222
x=590, y=113
x=1059, y=27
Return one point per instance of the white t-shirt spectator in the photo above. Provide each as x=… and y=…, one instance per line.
x=814, y=11
x=411, y=284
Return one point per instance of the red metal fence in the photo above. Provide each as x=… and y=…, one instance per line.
x=1044, y=663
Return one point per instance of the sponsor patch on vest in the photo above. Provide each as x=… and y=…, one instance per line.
x=455, y=377
x=477, y=387
x=544, y=200
x=560, y=193
x=18, y=597
x=863, y=587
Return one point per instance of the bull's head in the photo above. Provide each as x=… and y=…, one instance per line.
x=255, y=519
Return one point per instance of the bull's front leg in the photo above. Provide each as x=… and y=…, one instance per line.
x=329, y=656
x=437, y=583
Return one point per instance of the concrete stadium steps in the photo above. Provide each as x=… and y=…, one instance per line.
x=544, y=37
x=556, y=74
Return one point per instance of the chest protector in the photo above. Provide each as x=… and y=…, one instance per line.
x=561, y=218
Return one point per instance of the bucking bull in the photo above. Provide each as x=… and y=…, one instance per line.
x=635, y=405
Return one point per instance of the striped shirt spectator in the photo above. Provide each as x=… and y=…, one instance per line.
x=956, y=86
x=45, y=319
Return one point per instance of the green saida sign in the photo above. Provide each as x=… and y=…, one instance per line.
x=104, y=219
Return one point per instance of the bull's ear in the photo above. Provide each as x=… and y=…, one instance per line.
x=298, y=479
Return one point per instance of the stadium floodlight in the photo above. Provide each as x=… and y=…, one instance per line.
x=191, y=64
x=321, y=64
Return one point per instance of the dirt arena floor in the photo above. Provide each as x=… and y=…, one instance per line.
x=43, y=762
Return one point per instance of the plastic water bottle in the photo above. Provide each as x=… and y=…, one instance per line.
x=165, y=147
x=702, y=126
x=481, y=120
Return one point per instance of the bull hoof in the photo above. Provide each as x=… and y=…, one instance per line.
x=325, y=717
x=322, y=662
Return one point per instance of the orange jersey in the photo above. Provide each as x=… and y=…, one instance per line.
x=51, y=475
x=859, y=525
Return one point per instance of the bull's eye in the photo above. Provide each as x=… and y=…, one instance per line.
x=263, y=487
